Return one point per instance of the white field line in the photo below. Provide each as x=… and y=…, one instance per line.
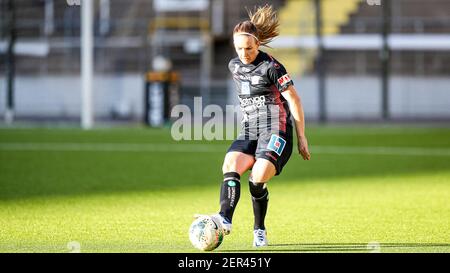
x=402, y=151
x=113, y=147
x=211, y=148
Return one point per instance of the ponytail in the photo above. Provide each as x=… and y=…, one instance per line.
x=263, y=25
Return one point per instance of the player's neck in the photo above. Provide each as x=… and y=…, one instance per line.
x=256, y=60
x=257, y=57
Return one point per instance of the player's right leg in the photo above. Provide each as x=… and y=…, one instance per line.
x=235, y=164
x=239, y=159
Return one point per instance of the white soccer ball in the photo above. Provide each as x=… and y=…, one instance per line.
x=205, y=234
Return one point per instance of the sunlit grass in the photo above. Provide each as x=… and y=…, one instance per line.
x=109, y=201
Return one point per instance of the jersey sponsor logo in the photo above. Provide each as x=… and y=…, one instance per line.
x=276, y=144
x=283, y=80
x=245, y=88
x=256, y=101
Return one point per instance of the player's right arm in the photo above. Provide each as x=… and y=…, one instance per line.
x=279, y=76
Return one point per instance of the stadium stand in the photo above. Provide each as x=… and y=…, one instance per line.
x=124, y=39
x=408, y=17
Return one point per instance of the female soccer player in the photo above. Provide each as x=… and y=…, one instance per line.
x=268, y=101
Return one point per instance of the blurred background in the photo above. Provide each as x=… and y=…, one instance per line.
x=374, y=77
x=351, y=60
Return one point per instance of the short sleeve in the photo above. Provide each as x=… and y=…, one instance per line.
x=232, y=66
x=279, y=76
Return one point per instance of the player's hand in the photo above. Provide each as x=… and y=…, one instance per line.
x=302, y=146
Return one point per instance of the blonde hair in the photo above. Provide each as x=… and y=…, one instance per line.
x=263, y=25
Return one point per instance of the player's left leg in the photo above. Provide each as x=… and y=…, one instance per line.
x=263, y=170
x=272, y=154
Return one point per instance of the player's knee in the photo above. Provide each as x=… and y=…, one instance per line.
x=263, y=171
x=226, y=167
x=258, y=177
x=230, y=163
x=237, y=163
x=261, y=176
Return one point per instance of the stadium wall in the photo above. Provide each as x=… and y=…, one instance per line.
x=121, y=97
x=60, y=97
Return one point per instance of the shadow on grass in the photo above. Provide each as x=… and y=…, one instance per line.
x=347, y=247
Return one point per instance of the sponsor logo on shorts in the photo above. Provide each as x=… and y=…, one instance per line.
x=276, y=144
x=271, y=156
x=231, y=183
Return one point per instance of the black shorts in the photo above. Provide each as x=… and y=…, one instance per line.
x=277, y=148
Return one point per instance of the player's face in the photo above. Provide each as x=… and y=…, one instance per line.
x=246, y=47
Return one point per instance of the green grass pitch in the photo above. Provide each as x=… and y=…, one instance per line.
x=384, y=189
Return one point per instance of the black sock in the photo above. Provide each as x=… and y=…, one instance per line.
x=230, y=193
x=260, y=200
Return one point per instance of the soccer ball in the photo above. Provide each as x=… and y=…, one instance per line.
x=205, y=233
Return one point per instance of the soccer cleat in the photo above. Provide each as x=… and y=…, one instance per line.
x=226, y=226
x=260, y=238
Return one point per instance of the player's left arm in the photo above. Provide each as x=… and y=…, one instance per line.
x=296, y=107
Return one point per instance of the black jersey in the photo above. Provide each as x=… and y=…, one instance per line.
x=259, y=87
